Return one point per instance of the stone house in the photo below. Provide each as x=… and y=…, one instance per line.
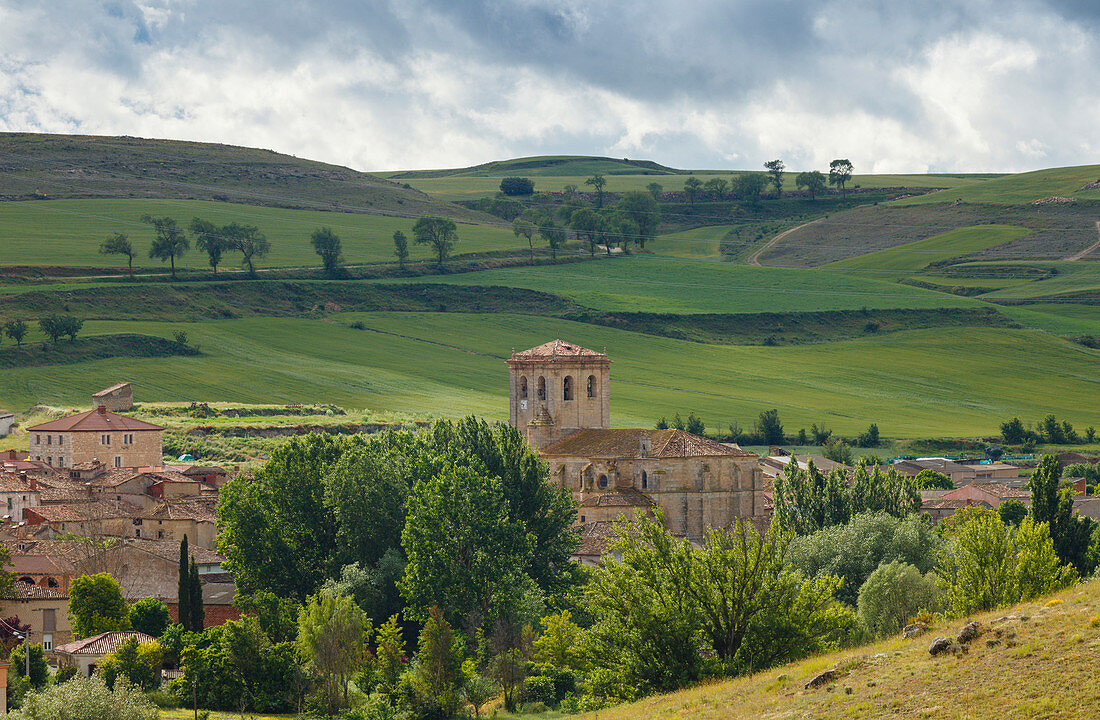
x=989, y=495
x=17, y=492
x=115, y=440
x=7, y=422
x=117, y=398
x=44, y=609
x=86, y=655
x=560, y=400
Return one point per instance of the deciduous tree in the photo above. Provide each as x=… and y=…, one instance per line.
x=813, y=181
x=401, y=248
x=149, y=616
x=597, y=183
x=211, y=239
x=692, y=186
x=1070, y=533
x=775, y=170
x=326, y=244
x=249, y=241
x=169, y=241
x=119, y=244
x=332, y=633
x=749, y=186
x=840, y=172
x=655, y=189
x=523, y=228
x=642, y=209
x=96, y=605
x=16, y=330
x=441, y=233
x=553, y=235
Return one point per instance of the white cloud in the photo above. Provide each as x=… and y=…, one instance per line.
x=396, y=84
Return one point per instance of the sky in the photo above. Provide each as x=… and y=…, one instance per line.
x=913, y=86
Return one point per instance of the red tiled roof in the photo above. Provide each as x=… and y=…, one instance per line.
x=619, y=497
x=27, y=591
x=200, y=509
x=95, y=421
x=40, y=564
x=596, y=538
x=557, y=349
x=626, y=443
x=102, y=644
x=170, y=550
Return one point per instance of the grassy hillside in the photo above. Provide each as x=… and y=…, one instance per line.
x=68, y=232
x=916, y=255
x=37, y=166
x=647, y=283
x=546, y=166
x=448, y=364
x=1046, y=671
x=1021, y=188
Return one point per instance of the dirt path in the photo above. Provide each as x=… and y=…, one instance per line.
x=754, y=259
x=1086, y=251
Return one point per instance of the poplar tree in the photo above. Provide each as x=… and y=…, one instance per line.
x=197, y=612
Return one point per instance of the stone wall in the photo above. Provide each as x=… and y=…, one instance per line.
x=65, y=449
x=118, y=398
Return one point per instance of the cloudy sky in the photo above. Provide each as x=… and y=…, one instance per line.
x=920, y=85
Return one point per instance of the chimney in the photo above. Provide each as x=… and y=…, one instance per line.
x=32, y=483
x=102, y=409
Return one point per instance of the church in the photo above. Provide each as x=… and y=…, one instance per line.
x=560, y=398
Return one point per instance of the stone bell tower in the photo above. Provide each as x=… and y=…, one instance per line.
x=556, y=389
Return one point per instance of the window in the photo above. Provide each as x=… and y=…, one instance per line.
x=118, y=461
x=567, y=388
x=49, y=460
x=603, y=482
x=47, y=641
x=542, y=388
x=105, y=439
x=523, y=388
x=49, y=439
x=137, y=532
x=50, y=582
x=582, y=518
x=60, y=439
x=591, y=386
x=60, y=462
x=9, y=503
x=37, y=439
x=160, y=534
x=128, y=439
x=645, y=480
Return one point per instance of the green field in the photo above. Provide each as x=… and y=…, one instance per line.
x=916, y=255
x=1020, y=188
x=1072, y=277
x=471, y=187
x=647, y=283
x=448, y=365
x=68, y=232
x=697, y=243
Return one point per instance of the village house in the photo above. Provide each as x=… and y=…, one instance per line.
x=86, y=655
x=97, y=435
x=960, y=474
x=988, y=495
x=560, y=400
x=16, y=494
x=44, y=609
x=7, y=422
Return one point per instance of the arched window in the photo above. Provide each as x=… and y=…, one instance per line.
x=542, y=388
x=523, y=388
x=50, y=582
x=645, y=480
x=567, y=388
x=591, y=386
x=603, y=482
x=27, y=579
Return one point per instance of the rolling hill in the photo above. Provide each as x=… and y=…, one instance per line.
x=546, y=166
x=40, y=167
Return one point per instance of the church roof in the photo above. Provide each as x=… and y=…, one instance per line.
x=558, y=349
x=626, y=443
x=619, y=497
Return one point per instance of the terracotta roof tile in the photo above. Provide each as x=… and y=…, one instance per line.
x=557, y=349
x=596, y=538
x=95, y=421
x=200, y=509
x=27, y=591
x=626, y=443
x=101, y=644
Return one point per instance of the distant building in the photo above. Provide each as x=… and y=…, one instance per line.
x=560, y=399
x=117, y=398
x=7, y=421
x=987, y=495
x=44, y=609
x=97, y=435
x=86, y=655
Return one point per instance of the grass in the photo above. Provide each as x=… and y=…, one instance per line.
x=916, y=255
x=472, y=187
x=68, y=232
x=1049, y=674
x=647, y=283
x=918, y=383
x=1072, y=277
x=1020, y=188
x=697, y=243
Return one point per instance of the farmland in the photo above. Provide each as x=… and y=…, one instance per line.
x=825, y=332
x=452, y=364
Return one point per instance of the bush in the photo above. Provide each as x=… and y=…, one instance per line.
x=160, y=698
x=891, y=594
x=64, y=674
x=854, y=551
x=180, y=336
x=86, y=699
x=513, y=186
x=540, y=689
x=838, y=451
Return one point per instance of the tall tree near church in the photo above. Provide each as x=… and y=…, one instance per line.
x=183, y=591
x=197, y=612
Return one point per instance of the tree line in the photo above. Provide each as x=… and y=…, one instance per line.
x=1049, y=430
x=170, y=242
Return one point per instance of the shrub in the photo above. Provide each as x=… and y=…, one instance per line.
x=160, y=698
x=513, y=186
x=180, y=336
x=86, y=699
x=540, y=689
x=891, y=594
x=838, y=451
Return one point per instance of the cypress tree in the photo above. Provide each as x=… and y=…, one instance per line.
x=197, y=612
x=183, y=591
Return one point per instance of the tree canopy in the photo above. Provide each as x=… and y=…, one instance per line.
x=438, y=232
x=169, y=241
